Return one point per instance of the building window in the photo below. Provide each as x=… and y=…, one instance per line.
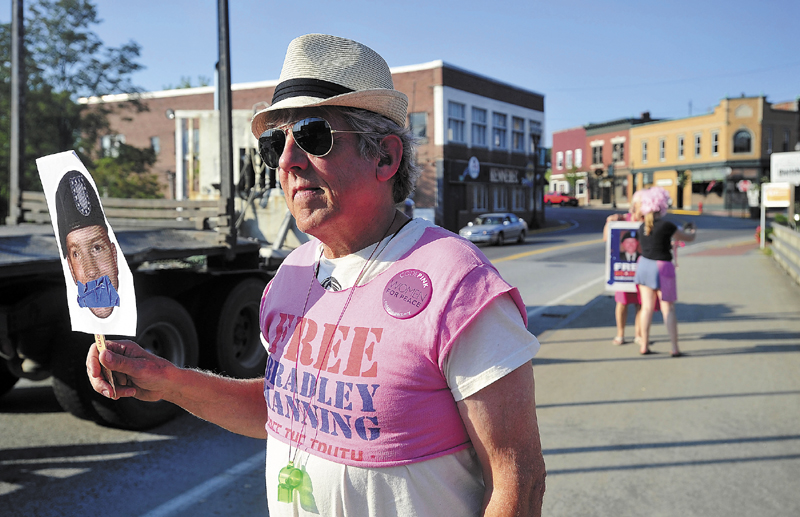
x=770, y=140
x=155, y=145
x=680, y=148
x=480, y=197
x=455, y=122
x=714, y=144
x=500, y=195
x=535, y=134
x=569, y=160
x=662, y=149
x=418, y=123
x=696, y=146
x=479, y=127
x=559, y=160
x=578, y=158
x=499, y=130
x=785, y=147
x=618, y=152
x=742, y=142
x=518, y=134
x=110, y=145
x=644, y=152
x=518, y=199
x=597, y=154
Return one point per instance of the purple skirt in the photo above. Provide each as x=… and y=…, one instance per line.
x=658, y=275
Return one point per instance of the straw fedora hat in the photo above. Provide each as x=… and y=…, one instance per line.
x=323, y=70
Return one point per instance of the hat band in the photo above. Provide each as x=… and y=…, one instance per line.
x=307, y=87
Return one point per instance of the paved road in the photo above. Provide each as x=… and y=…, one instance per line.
x=558, y=273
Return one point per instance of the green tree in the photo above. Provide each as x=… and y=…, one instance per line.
x=126, y=176
x=64, y=60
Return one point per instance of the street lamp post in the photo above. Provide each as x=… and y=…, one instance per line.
x=613, y=180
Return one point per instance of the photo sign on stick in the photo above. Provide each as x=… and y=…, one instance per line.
x=622, y=252
x=100, y=293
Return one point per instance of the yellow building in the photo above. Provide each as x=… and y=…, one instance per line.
x=704, y=158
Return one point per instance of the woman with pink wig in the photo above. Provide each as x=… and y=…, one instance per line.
x=655, y=272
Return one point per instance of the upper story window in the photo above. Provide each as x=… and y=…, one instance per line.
x=535, y=135
x=770, y=139
x=518, y=134
x=644, y=152
x=618, y=152
x=155, y=145
x=742, y=141
x=662, y=149
x=714, y=143
x=479, y=127
x=559, y=160
x=696, y=146
x=569, y=159
x=499, y=128
x=680, y=147
x=785, y=147
x=597, y=154
x=110, y=145
x=578, y=157
x=418, y=123
x=456, y=113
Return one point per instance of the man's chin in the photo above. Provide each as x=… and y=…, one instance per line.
x=102, y=312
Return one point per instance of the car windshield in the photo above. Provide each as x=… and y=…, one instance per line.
x=492, y=219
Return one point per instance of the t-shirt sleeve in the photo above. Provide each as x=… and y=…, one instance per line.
x=494, y=344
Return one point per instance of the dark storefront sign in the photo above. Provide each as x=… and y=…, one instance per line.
x=472, y=171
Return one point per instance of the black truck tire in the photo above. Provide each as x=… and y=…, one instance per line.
x=7, y=379
x=71, y=384
x=165, y=328
x=235, y=330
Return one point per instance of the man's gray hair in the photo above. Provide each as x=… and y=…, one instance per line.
x=376, y=127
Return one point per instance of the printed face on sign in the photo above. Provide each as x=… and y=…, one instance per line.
x=86, y=245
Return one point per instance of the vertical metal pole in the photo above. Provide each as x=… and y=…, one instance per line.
x=763, y=218
x=225, y=125
x=18, y=84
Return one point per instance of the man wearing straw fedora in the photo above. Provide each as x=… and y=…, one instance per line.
x=399, y=378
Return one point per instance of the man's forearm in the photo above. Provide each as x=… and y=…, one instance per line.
x=237, y=405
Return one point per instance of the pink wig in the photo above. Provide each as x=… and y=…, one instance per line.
x=654, y=199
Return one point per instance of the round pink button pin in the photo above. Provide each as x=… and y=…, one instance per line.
x=407, y=294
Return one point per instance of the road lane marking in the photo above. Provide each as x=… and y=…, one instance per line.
x=202, y=491
x=551, y=303
x=545, y=250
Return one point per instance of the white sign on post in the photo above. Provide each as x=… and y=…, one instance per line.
x=785, y=167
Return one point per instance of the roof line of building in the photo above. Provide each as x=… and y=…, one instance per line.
x=200, y=90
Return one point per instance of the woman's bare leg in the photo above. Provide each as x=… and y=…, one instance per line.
x=671, y=322
x=648, y=305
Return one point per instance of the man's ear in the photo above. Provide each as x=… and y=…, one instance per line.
x=391, y=154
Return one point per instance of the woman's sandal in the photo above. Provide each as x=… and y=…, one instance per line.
x=618, y=341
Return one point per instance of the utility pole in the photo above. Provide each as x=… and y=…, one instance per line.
x=18, y=84
x=225, y=126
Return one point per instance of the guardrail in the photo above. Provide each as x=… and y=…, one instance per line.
x=786, y=250
x=137, y=213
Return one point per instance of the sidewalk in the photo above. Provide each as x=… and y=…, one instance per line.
x=714, y=433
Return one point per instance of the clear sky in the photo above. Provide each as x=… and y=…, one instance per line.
x=594, y=61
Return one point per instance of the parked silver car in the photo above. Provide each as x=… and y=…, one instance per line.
x=496, y=228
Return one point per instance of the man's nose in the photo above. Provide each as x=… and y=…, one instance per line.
x=292, y=157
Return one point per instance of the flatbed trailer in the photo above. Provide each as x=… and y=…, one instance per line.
x=197, y=301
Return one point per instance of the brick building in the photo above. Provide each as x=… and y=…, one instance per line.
x=569, y=168
x=479, y=139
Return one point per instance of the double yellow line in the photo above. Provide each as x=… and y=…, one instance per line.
x=545, y=250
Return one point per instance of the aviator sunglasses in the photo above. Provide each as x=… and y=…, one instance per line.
x=313, y=135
